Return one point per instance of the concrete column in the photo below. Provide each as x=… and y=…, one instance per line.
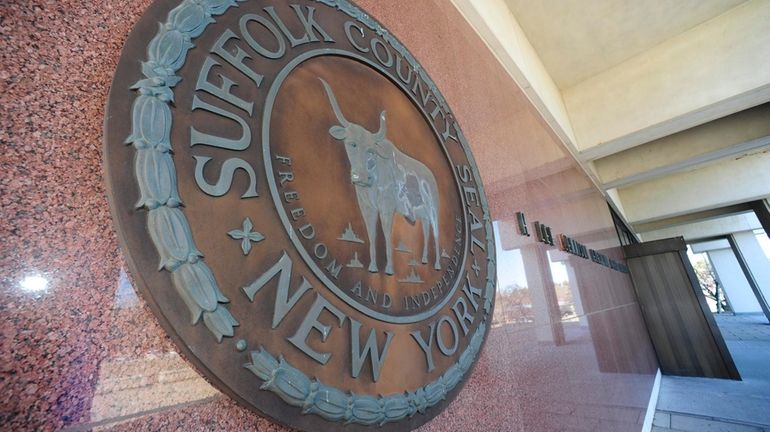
x=541, y=290
x=736, y=288
x=762, y=210
x=574, y=286
x=755, y=259
x=750, y=277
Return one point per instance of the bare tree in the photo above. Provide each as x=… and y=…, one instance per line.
x=709, y=284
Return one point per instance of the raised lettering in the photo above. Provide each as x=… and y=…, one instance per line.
x=357, y=289
x=465, y=173
x=261, y=50
x=471, y=292
x=425, y=297
x=222, y=186
x=310, y=322
x=285, y=176
x=223, y=92
x=447, y=134
x=285, y=160
x=297, y=213
x=236, y=60
x=197, y=137
x=334, y=269
x=388, y=61
x=283, y=303
x=371, y=350
x=320, y=250
x=307, y=231
x=348, y=26
x=471, y=194
x=463, y=316
x=371, y=296
x=310, y=24
x=426, y=347
x=423, y=93
x=408, y=78
x=440, y=339
x=476, y=243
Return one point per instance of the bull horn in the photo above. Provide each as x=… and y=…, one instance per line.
x=381, y=132
x=333, y=101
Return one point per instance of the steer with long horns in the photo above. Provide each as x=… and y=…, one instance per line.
x=387, y=181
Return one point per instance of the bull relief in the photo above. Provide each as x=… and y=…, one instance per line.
x=299, y=206
x=387, y=182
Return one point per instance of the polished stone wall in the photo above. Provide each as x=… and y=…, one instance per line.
x=568, y=349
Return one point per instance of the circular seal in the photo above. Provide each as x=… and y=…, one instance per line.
x=300, y=209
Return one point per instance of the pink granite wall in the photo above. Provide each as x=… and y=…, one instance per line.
x=568, y=350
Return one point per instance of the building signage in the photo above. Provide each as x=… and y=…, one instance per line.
x=300, y=209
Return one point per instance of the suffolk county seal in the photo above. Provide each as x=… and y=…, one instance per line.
x=300, y=209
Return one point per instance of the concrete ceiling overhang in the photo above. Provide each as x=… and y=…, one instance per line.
x=577, y=39
x=664, y=104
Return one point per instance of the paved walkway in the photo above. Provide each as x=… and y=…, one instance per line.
x=715, y=405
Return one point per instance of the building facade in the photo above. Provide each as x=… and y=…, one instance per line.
x=568, y=348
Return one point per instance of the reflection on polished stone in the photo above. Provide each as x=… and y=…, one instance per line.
x=125, y=296
x=34, y=283
x=127, y=387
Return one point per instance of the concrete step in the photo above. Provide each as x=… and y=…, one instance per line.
x=673, y=421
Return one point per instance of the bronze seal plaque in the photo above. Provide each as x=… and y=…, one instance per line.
x=300, y=209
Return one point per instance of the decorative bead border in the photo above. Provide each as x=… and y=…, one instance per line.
x=170, y=231
x=154, y=168
x=314, y=397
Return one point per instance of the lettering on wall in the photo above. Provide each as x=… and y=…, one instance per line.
x=567, y=244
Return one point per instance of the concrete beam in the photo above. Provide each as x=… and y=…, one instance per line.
x=740, y=296
x=706, y=229
x=731, y=182
x=757, y=262
x=734, y=135
x=750, y=276
x=706, y=73
x=695, y=162
x=691, y=218
x=710, y=245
